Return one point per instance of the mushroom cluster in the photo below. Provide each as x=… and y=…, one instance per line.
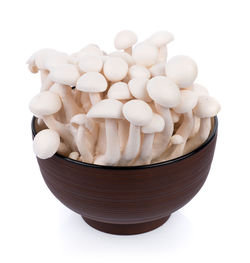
x=129, y=107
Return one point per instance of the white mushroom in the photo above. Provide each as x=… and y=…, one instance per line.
x=175, y=116
x=63, y=149
x=93, y=83
x=160, y=39
x=156, y=125
x=175, y=141
x=84, y=141
x=206, y=108
x=138, y=89
x=166, y=95
x=46, y=143
x=73, y=155
x=138, y=113
x=125, y=40
x=90, y=63
x=145, y=54
x=182, y=70
x=158, y=69
x=138, y=71
x=115, y=69
x=188, y=102
x=124, y=55
x=111, y=111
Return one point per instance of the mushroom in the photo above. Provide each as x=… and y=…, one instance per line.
x=138, y=71
x=158, y=69
x=138, y=89
x=46, y=143
x=45, y=105
x=74, y=155
x=124, y=55
x=90, y=63
x=145, y=54
x=188, y=102
x=175, y=116
x=156, y=125
x=115, y=69
x=93, y=83
x=111, y=111
x=175, y=140
x=125, y=40
x=138, y=113
x=206, y=108
x=63, y=149
x=166, y=95
x=160, y=39
x=182, y=70
x=84, y=140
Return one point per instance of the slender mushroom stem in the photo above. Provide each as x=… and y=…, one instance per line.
x=46, y=82
x=123, y=133
x=184, y=130
x=146, y=149
x=85, y=101
x=200, y=137
x=162, y=139
x=112, y=154
x=162, y=53
x=133, y=145
x=94, y=98
x=81, y=142
x=196, y=127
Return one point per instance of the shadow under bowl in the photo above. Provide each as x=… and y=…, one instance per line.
x=128, y=200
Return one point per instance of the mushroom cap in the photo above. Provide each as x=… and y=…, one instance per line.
x=119, y=91
x=88, y=63
x=46, y=143
x=158, y=69
x=206, y=107
x=125, y=39
x=199, y=90
x=82, y=119
x=157, y=124
x=145, y=54
x=108, y=109
x=137, y=112
x=90, y=49
x=161, y=38
x=177, y=139
x=74, y=155
x=92, y=82
x=138, y=71
x=138, y=89
x=45, y=103
x=182, y=70
x=188, y=101
x=125, y=56
x=115, y=69
x=164, y=91
x=66, y=74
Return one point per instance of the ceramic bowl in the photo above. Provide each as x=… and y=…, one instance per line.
x=128, y=200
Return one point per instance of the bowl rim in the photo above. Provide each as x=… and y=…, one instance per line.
x=145, y=166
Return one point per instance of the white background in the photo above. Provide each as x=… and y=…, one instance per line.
x=214, y=226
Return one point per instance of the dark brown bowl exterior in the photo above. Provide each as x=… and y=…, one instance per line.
x=128, y=200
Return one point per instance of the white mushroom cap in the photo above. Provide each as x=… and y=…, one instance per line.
x=182, y=70
x=125, y=39
x=45, y=103
x=125, y=56
x=66, y=74
x=138, y=89
x=92, y=82
x=158, y=69
x=137, y=112
x=90, y=49
x=90, y=63
x=119, y=91
x=115, y=69
x=188, y=101
x=161, y=38
x=155, y=125
x=73, y=155
x=145, y=54
x=199, y=90
x=206, y=107
x=138, y=71
x=46, y=143
x=177, y=139
x=82, y=119
x=108, y=109
x=164, y=91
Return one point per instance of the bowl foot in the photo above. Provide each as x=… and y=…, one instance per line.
x=126, y=229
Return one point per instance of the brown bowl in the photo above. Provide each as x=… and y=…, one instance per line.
x=128, y=200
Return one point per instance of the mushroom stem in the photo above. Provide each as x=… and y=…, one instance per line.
x=94, y=98
x=46, y=82
x=81, y=142
x=146, y=149
x=162, y=53
x=133, y=145
x=123, y=133
x=196, y=127
x=85, y=101
x=162, y=139
x=112, y=154
x=184, y=130
x=200, y=137
x=128, y=50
